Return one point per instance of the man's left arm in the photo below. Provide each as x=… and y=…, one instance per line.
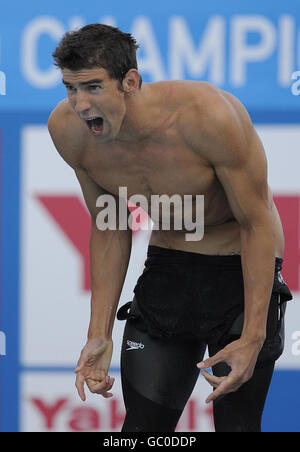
x=239, y=161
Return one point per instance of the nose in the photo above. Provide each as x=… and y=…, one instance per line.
x=82, y=103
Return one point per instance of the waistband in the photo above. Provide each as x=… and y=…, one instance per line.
x=157, y=254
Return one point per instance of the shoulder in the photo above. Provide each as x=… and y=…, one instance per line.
x=216, y=124
x=67, y=133
x=60, y=114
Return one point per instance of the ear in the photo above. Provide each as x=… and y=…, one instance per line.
x=131, y=81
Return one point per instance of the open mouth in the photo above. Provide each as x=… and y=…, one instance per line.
x=95, y=124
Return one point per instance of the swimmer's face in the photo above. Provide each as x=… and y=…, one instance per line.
x=98, y=100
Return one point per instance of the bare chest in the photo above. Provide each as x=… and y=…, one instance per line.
x=149, y=169
x=166, y=167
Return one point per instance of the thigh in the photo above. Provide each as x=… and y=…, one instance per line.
x=241, y=411
x=158, y=377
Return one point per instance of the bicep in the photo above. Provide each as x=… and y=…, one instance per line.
x=243, y=176
x=90, y=190
x=229, y=144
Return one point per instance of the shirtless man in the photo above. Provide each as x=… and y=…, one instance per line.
x=225, y=290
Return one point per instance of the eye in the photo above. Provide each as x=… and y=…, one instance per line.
x=70, y=88
x=94, y=87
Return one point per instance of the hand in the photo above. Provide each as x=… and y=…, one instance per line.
x=92, y=368
x=241, y=356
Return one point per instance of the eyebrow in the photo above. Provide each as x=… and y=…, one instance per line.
x=89, y=82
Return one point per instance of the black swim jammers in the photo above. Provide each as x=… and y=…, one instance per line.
x=197, y=296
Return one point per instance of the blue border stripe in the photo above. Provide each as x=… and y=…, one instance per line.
x=1, y=268
x=10, y=274
x=282, y=408
x=275, y=117
x=11, y=125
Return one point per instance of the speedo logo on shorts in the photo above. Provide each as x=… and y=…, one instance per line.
x=134, y=345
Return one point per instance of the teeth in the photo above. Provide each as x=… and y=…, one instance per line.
x=94, y=123
x=91, y=118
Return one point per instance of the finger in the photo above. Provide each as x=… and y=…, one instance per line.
x=96, y=387
x=212, y=361
x=109, y=383
x=100, y=387
x=80, y=386
x=226, y=387
x=80, y=365
x=212, y=379
x=112, y=380
x=104, y=392
x=107, y=395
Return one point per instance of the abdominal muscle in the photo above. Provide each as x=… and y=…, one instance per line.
x=221, y=239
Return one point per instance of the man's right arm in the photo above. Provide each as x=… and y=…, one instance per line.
x=109, y=259
x=109, y=249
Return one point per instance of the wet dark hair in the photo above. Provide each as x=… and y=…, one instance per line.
x=97, y=45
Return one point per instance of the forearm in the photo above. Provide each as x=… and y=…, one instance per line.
x=109, y=259
x=258, y=259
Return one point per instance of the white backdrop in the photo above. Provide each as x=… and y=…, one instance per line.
x=55, y=301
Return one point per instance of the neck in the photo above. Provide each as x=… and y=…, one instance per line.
x=141, y=115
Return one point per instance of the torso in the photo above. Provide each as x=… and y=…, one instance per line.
x=164, y=164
